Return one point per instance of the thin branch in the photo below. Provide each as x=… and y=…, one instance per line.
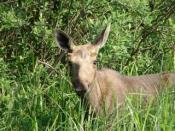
x=7, y=2
x=48, y=65
x=148, y=30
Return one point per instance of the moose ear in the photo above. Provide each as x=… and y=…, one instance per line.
x=63, y=40
x=102, y=38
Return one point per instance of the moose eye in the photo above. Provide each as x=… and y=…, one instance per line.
x=95, y=62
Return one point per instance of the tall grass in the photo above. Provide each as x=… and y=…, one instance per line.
x=35, y=88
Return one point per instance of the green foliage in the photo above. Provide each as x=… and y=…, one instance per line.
x=35, y=88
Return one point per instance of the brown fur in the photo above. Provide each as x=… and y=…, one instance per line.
x=106, y=88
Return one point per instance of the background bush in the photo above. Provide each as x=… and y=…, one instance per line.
x=36, y=92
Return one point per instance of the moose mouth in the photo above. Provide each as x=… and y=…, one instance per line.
x=79, y=88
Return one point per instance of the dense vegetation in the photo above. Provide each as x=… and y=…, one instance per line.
x=35, y=88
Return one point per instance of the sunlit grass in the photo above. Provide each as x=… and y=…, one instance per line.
x=55, y=106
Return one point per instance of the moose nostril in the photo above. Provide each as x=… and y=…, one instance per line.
x=95, y=62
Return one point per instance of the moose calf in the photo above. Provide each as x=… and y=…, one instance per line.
x=106, y=87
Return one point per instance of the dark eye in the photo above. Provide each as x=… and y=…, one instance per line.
x=95, y=62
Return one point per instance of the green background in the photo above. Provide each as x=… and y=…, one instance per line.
x=35, y=88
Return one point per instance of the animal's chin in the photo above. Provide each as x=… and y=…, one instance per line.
x=78, y=88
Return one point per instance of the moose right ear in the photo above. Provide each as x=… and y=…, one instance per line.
x=102, y=38
x=63, y=40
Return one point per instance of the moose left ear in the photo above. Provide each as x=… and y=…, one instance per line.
x=64, y=41
x=102, y=38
